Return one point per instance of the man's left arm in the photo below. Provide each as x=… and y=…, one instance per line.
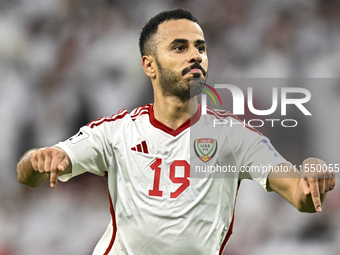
x=306, y=190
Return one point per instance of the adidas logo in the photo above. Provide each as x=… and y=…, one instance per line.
x=141, y=147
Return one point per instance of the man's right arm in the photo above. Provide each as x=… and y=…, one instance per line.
x=37, y=166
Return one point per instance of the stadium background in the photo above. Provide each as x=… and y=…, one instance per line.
x=66, y=62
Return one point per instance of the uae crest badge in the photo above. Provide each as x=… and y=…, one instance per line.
x=205, y=148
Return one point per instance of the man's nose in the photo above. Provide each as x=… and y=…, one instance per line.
x=194, y=56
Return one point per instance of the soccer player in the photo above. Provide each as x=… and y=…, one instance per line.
x=156, y=206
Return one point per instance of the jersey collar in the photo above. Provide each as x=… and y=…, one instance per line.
x=170, y=131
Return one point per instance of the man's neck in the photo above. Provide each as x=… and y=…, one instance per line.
x=172, y=112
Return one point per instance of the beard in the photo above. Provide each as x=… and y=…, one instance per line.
x=173, y=85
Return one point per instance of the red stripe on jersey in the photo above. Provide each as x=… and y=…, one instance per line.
x=137, y=111
x=157, y=124
x=145, y=147
x=114, y=226
x=224, y=114
x=217, y=115
x=133, y=148
x=121, y=114
x=139, y=148
x=220, y=113
x=230, y=231
x=140, y=111
x=140, y=114
x=231, y=226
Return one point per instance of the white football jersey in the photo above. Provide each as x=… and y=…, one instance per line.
x=161, y=203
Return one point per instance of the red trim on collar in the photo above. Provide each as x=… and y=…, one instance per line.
x=157, y=124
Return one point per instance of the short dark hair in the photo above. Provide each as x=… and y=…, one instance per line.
x=151, y=27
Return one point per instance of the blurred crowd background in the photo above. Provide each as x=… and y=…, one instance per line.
x=64, y=63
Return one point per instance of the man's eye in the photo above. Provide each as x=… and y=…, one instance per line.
x=179, y=47
x=200, y=48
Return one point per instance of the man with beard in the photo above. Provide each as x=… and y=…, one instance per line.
x=156, y=207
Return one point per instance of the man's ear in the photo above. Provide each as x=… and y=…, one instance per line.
x=149, y=66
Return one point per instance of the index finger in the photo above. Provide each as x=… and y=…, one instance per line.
x=54, y=178
x=315, y=193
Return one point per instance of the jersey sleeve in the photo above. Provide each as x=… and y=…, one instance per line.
x=89, y=151
x=255, y=155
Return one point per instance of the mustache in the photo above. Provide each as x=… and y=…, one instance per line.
x=194, y=66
